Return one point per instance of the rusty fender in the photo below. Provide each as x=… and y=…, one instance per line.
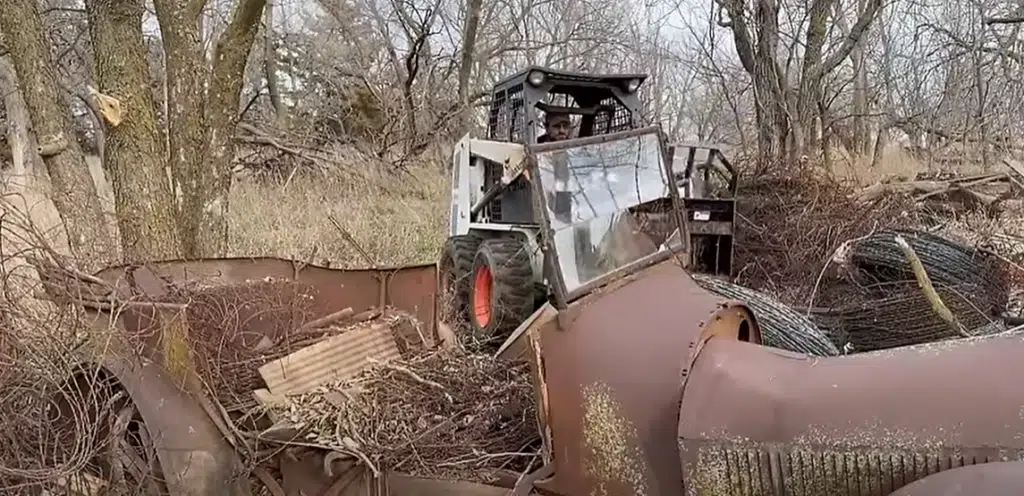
x=612, y=367
x=194, y=457
x=757, y=420
x=410, y=288
x=986, y=479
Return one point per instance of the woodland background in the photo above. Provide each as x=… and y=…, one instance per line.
x=253, y=127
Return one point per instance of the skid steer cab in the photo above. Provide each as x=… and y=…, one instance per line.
x=533, y=222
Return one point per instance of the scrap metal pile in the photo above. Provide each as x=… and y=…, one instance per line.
x=781, y=326
x=306, y=392
x=888, y=307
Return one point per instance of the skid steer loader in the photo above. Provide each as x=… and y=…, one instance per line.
x=610, y=195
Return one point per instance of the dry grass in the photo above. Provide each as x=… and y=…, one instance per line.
x=396, y=219
x=895, y=163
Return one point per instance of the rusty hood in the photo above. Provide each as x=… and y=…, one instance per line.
x=613, y=364
x=756, y=420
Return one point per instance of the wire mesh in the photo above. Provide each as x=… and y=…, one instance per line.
x=781, y=326
x=905, y=317
x=877, y=258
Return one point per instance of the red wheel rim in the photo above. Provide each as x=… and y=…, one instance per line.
x=482, y=295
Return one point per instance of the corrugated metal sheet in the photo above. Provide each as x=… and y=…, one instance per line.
x=333, y=359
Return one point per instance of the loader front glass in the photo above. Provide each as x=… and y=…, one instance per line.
x=599, y=198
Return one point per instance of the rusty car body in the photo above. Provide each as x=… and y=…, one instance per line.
x=195, y=451
x=651, y=385
x=647, y=384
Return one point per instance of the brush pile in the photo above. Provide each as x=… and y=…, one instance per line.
x=440, y=413
x=814, y=243
x=233, y=329
x=791, y=219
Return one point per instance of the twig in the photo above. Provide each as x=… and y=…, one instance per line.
x=413, y=375
x=839, y=255
x=925, y=283
x=268, y=482
x=483, y=457
x=355, y=245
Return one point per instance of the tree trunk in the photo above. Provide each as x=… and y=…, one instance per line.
x=186, y=74
x=861, y=132
x=270, y=67
x=73, y=193
x=466, y=57
x=134, y=152
x=206, y=222
x=202, y=123
x=768, y=114
x=23, y=148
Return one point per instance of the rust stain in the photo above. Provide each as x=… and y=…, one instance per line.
x=610, y=440
x=174, y=344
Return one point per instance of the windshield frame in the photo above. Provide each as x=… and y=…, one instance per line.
x=552, y=267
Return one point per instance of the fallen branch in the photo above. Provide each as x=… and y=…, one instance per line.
x=964, y=185
x=326, y=320
x=923, y=190
x=925, y=283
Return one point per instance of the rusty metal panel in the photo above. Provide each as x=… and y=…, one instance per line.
x=611, y=372
x=411, y=288
x=756, y=420
x=336, y=358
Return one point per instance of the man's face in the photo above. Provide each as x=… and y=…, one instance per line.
x=558, y=127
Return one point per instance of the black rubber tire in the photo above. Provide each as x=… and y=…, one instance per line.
x=455, y=270
x=512, y=291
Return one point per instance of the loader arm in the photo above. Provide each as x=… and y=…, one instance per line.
x=468, y=178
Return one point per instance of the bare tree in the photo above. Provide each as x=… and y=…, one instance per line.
x=134, y=148
x=23, y=154
x=74, y=193
x=786, y=110
x=203, y=110
x=467, y=53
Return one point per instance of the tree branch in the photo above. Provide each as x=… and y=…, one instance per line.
x=1004, y=20
x=863, y=22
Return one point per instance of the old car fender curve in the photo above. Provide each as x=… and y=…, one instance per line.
x=759, y=420
x=613, y=372
x=986, y=479
x=194, y=456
